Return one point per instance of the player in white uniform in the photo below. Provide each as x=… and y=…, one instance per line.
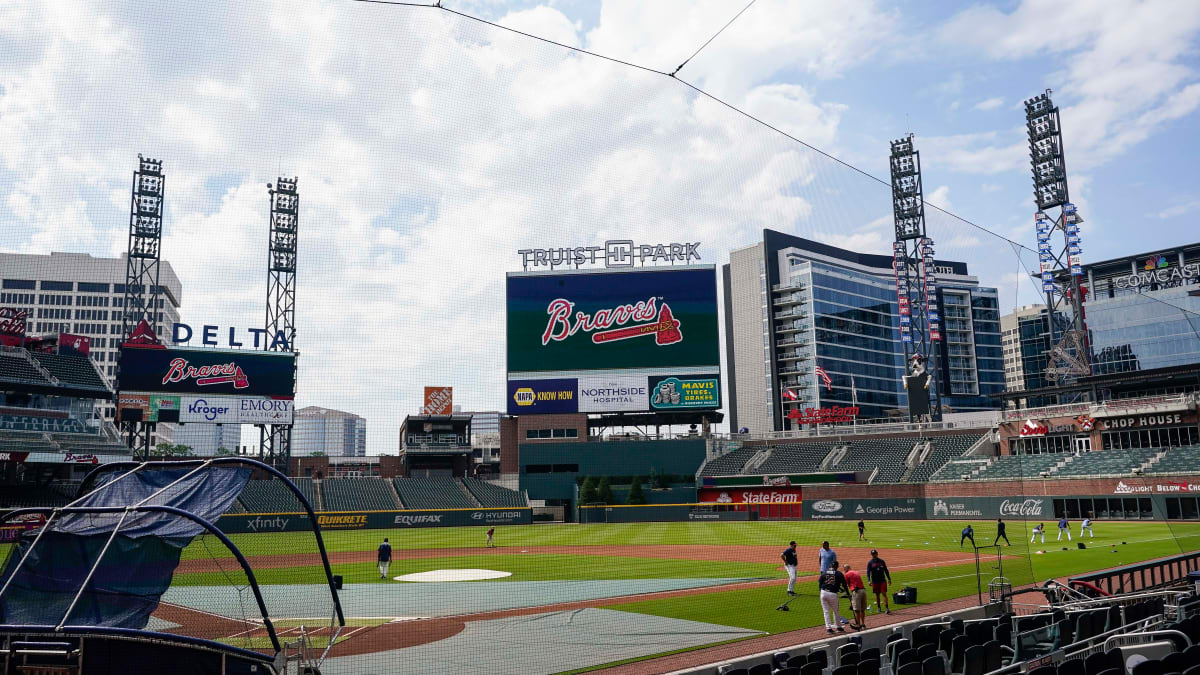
x=1039, y=530
x=1086, y=525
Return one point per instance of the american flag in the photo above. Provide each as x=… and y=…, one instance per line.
x=825, y=378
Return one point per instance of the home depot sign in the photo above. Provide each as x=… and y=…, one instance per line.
x=767, y=495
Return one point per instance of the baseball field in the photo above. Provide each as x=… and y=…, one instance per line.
x=604, y=594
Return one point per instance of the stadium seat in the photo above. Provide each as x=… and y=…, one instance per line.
x=958, y=650
x=358, y=494
x=789, y=670
x=1194, y=670
x=869, y=654
x=848, y=659
x=894, y=647
x=1193, y=652
x=868, y=667
x=819, y=656
x=957, y=625
x=759, y=669
x=993, y=656
x=432, y=493
x=1044, y=670
x=1149, y=667
x=1004, y=634
x=925, y=651
x=797, y=661
x=844, y=650
x=1072, y=667
x=944, y=639
x=974, y=661
x=494, y=496
x=906, y=657
x=812, y=668
x=1177, y=662
x=933, y=665
x=910, y=669
x=1100, y=662
x=849, y=669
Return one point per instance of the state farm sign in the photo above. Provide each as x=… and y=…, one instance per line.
x=767, y=495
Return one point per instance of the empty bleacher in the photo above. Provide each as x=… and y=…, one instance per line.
x=1019, y=466
x=886, y=453
x=15, y=368
x=25, y=441
x=358, y=494
x=39, y=420
x=1177, y=460
x=71, y=369
x=492, y=495
x=730, y=463
x=1107, y=462
x=22, y=496
x=432, y=493
x=944, y=449
x=795, y=458
x=272, y=496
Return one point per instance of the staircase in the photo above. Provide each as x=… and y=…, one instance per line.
x=837, y=454
x=320, y=505
x=1158, y=456
x=1058, y=465
x=756, y=461
x=916, y=456
x=38, y=367
x=461, y=488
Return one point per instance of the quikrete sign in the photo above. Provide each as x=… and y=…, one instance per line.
x=1141, y=421
x=181, y=333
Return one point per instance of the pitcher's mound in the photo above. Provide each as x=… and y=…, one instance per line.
x=454, y=575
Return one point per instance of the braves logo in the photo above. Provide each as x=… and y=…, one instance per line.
x=221, y=373
x=655, y=321
x=1085, y=423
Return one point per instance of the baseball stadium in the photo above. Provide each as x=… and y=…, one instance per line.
x=655, y=384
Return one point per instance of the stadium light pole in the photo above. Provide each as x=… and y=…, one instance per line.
x=1060, y=270
x=912, y=260
x=142, y=263
x=276, y=439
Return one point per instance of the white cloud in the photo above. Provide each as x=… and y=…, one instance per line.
x=990, y=103
x=1179, y=210
x=940, y=197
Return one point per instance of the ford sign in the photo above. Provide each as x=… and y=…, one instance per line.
x=827, y=506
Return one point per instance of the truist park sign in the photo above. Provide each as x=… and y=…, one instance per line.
x=615, y=253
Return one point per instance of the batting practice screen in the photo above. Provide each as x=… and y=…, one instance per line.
x=625, y=341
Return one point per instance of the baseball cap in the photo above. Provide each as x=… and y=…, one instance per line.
x=824, y=543
x=874, y=552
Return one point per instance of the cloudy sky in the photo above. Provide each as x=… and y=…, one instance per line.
x=430, y=147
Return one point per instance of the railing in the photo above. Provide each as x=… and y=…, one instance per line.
x=1114, y=406
x=1143, y=576
x=857, y=429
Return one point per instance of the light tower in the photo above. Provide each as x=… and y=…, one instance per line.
x=276, y=439
x=912, y=259
x=1060, y=269
x=141, y=275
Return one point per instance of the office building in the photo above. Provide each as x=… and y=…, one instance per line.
x=792, y=305
x=82, y=294
x=1021, y=330
x=334, y=433
x=206, y=439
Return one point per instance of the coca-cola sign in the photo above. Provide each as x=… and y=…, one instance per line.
x=1025, y=508
x=12, y=320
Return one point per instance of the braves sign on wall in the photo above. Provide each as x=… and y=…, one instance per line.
x=206, y=372
x=652, y=318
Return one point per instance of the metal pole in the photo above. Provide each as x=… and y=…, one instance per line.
x=92, y=571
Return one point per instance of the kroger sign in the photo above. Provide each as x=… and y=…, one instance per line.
x=235, y=410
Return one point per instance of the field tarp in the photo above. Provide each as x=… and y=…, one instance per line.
x=373, y=520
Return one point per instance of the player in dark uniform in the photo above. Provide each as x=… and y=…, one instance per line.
x=967, y=533
x=879, y=577
x=385, y=558
x=831, y=583
x=790, y=562
x=861, y=530
x=1000, y=534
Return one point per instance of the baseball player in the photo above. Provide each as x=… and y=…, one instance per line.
x=862, y=528
x=789, y=563
x=385, y=558
x=1039, y=530
x=490, y=543
x=828, y=559
x=1000, y=532
x=1064, y=526
x=831, y=583
x=968, y=532
x=858, y=598
x=879, y=576
x=1086, y=525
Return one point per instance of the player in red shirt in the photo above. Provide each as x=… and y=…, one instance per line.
x=858, y=598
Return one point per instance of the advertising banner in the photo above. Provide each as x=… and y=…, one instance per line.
x=629, y=320
x=542, y=397
x=763, y=495
x=613, y=394
x=235, y=410
x=159, y=403
x=206, y=372
x=128, y=402
x=371, y=520
x=266, y=410
x=12, y=325
x=438, y=401
x=989, y=508
x=864, y=509
x=685, y=392
x=792, y=479
x=211, y=409
x=10, y=456
x=69, y=343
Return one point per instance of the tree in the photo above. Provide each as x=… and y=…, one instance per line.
x=225, y=452
x=587, y=493
x=318, y=453
x=167, y=450
x=604, y=491
x=636, y=496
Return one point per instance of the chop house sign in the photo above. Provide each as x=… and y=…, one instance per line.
x=1142, y=421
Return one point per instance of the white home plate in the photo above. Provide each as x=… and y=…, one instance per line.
x=454, y=575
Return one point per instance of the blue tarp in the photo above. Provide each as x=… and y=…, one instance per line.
x=138, y=566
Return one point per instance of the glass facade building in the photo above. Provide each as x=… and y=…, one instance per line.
x=793, y=305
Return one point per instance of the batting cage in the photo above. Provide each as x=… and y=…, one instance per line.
x=137, y=558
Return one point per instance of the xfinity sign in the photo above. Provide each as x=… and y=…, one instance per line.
x=615, y=253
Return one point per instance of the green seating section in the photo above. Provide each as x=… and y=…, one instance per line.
x=14, y=368
x=795, y=458
x=729, y=464
x=358, y=494
x=431, y=493
x=1107, y=462
x=492, y=495
x=945, y=448
x=272, y=496
x=1019, y=466
x=75, y=370
x=1178, y=460
x=23, y=496
x=886, y=453
x=39, y=423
